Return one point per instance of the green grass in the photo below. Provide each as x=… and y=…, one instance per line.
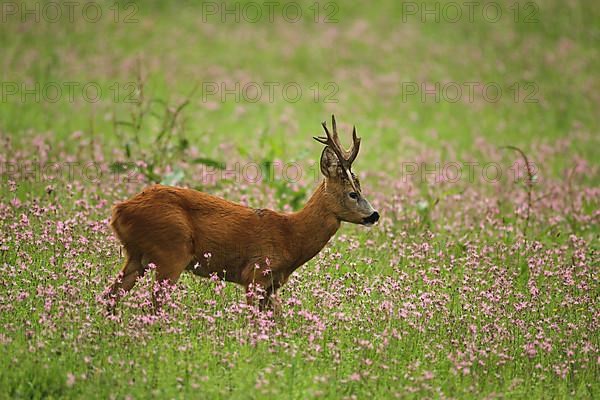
x=357, y=319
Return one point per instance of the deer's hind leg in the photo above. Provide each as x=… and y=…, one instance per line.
x=125, y=280
x=169, y=266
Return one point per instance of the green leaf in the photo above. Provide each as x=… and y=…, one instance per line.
x=209, y=162
x=183, y=144
x=128, y=149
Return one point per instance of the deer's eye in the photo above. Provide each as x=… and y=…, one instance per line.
x=353, y=195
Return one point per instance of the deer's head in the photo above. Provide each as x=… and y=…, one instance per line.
x=342, y=186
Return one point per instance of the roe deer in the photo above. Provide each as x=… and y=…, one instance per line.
x=177, y=229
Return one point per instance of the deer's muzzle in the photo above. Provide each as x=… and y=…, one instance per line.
x=371, y=219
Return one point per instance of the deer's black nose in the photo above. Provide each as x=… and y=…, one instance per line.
x=371, y=219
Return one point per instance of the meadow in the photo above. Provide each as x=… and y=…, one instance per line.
x=480, y=137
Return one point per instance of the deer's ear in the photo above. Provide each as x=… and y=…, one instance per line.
x=330, y=164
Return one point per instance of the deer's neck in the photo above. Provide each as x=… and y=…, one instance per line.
x=313, y=226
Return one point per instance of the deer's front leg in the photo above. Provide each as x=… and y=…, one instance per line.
x=256, y=292
x=264, y=291
x=270, y=301
x=262, y=280
x=265, y=296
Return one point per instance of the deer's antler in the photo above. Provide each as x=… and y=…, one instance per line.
x=346, y=157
